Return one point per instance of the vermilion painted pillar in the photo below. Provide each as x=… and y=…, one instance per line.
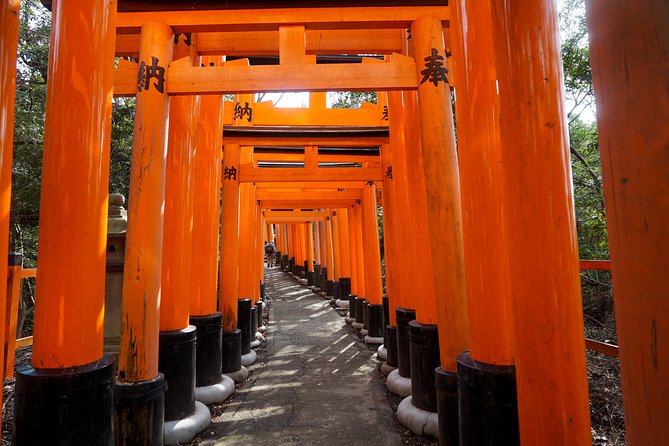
x=353, y=253
x=310, y=254
x=373, y=283
x=229, y=252
x=69, y=378
x=487, y=373
x=360, y=251
x=329, y=254
x=629, y=43
x=317, y=254
x=344, y=255
x=246, y=231
x=9, y=35
x=334, y=214
x=177, y=336
x=205, y=232
x=444, y=217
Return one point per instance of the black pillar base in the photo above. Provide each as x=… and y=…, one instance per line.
x=424, y=357
x=208, y=349
x=446, y=384
x=365, y=314
x=291, y=265
x=386, y=316
x=344, y=287
x=176, y=360
x=335, y=290
x=244, y=323
x=317, y=271
x=140, y=411
x=284, y=261
x=305, y=269
x=65, y=407
x=329, y=286
x=403, y=317
x=351, y=305
x=358, y=309
x=488, y=403
x=259, y=313
x=277, y=258
x=311, y=278
x=324, y=278
x=375, y=321
x=262, y=291
x=391, y=345
x=253, y=329
x=231, y=351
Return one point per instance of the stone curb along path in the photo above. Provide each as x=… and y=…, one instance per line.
x=315, y=383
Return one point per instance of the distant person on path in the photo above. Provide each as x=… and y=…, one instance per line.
x=269, y=254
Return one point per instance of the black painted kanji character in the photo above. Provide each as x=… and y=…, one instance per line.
x=434, y=71
x=240, y=111
x=389, y=172
x=370, y=183
x=187, y=39
x=384, y=117
x=230, y=173
x=146, y=73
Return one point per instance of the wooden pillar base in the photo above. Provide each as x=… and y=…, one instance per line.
x=488, y=404
x=176, y=360
x=231, y=351
x=375, y=322
x=208, y=349
x=424, y=358
x=402, y=318
x=446, y=384
x=244, y=323
x=140, y=409
x=50, y=405
x=391, y=345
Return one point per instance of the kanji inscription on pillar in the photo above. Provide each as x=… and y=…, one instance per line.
x=389, y=172
x=230, y=173
x=246, y=110
x=434, y=71
x=148, y=72
x=384, y=116
x=187, y=38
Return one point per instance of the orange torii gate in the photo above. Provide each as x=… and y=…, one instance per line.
x=507, y=204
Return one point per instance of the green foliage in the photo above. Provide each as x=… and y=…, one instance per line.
x=352, y=99
x=123, y=115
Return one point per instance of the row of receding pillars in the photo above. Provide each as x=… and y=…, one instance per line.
x=504, y=214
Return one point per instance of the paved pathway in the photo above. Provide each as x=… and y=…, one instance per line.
x=315, y=384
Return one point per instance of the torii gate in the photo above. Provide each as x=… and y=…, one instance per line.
x=516, y=174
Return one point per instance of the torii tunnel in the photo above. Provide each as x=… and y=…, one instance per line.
x=480, y=319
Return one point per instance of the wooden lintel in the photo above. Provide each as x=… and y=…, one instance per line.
x=299, y=158
x=311, y=204
x=337, y=185
x=398, y=74
x=251, y=174
x=264, y=194
x=266, y=43
x=270, y=141
x=271, y=19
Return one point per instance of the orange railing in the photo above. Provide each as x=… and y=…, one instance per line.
x=14, y=281
x=591, y=344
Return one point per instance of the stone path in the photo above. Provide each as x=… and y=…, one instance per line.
x=315, y=384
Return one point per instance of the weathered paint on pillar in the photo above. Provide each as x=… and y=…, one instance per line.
x=138, y=351
x=370, y=240
x=229, y=274
x=69, y=304
x=629, y=44
x=483, y=199
x=179, y=197
x=206, y=205
x=9, y=36
x=442, y=189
